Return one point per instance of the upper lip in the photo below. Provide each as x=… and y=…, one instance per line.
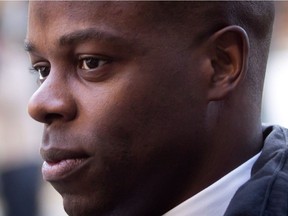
x=54, y=155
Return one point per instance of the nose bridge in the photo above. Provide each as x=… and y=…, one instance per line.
x=52, y=101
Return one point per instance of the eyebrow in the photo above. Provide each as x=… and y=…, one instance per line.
x=81, y=36
x=89, y=34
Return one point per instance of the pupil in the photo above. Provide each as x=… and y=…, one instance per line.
x=44, y=71
x=92, y=63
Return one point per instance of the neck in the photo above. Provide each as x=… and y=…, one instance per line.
x=234, y=136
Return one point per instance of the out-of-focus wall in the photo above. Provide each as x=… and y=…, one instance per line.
x=19, y=136
x=275, y=98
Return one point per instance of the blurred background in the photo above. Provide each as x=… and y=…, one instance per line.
x=22, y=191
x=275, y=97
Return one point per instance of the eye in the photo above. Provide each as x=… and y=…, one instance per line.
x=91, y=62
x=42, y=70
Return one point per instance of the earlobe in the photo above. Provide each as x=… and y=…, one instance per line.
x=228, y=61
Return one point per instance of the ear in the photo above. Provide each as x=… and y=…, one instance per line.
x=228, y=61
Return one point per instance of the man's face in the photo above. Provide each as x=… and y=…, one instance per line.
x=123, y=102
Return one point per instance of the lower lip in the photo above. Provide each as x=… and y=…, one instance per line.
x=61, y=169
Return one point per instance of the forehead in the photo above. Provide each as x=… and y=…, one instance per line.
x=141, y=23
x=44, y=9
x=49, y=20
x=132, y=14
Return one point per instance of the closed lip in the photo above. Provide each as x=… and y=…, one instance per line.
x=60, y=164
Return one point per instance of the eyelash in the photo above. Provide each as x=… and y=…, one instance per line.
x=35, y=70
x=100, y=61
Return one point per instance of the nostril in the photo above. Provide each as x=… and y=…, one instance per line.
x=49, y=118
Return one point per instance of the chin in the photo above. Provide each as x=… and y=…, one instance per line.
x=82, y=206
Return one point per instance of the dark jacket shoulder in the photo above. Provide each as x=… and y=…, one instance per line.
x=266, y=193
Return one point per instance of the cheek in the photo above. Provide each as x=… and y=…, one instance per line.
x=138, y=121
x=132, y=108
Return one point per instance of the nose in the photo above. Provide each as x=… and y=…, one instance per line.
x=52, y=102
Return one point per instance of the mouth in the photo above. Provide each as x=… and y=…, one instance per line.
x=61, y=164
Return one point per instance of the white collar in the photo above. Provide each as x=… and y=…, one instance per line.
x=214, y=200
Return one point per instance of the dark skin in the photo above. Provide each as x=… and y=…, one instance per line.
x=152, y=116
